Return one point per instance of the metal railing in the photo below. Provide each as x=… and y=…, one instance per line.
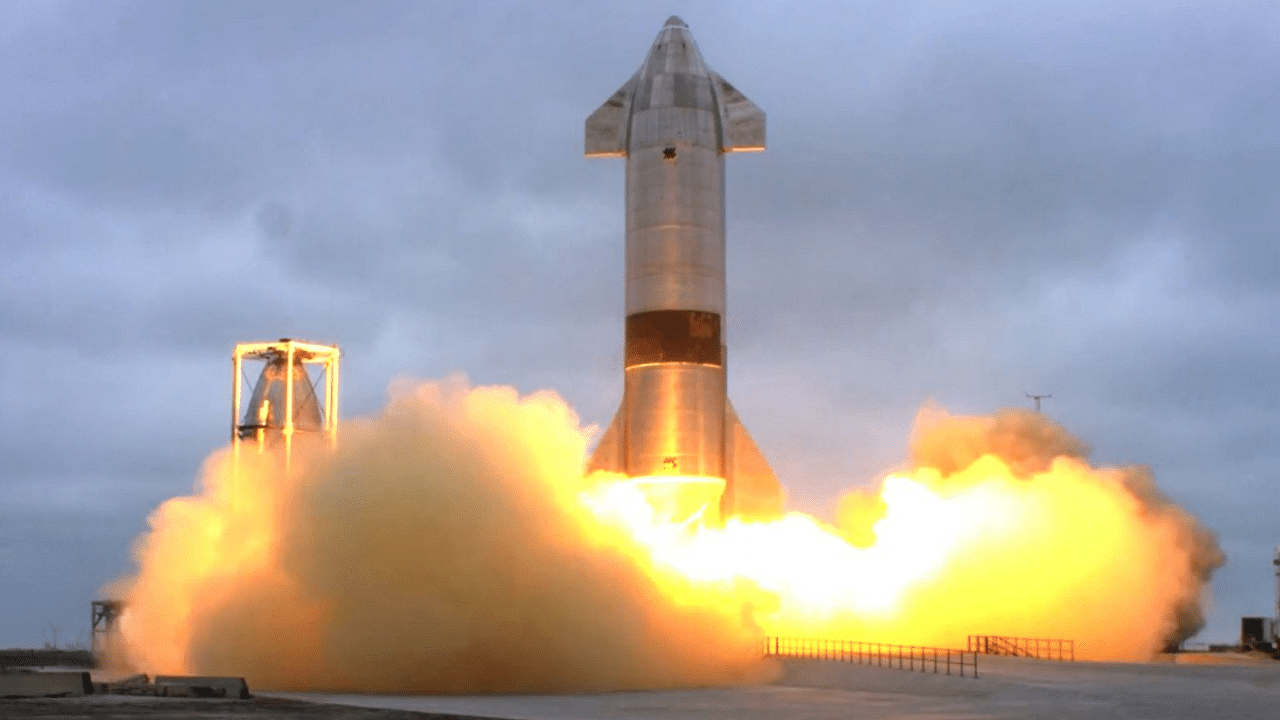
x=1037, y=648
x=903, y=657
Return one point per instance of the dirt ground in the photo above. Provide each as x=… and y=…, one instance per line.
x=115, y=707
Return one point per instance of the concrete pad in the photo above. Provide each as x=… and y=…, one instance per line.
x=201, y=686
x=44, y=684
x=870, y=678
x=746, y=703
x=1006, y=689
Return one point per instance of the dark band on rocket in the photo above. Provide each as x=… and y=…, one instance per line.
x=690, y=336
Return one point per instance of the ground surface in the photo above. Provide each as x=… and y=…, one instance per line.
x=116, y=707
x=1007, y=689
x=807, y=690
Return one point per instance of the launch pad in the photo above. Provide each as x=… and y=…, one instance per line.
x=815, y=689
x=1009, y=688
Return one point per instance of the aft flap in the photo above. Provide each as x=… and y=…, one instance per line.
x=756, y=492
x=608, y=452
x=742, y=121
x=606, y=134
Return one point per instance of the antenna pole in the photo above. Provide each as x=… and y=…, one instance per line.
x=1038, y=398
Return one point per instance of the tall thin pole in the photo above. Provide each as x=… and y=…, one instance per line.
x=333, y=404
x=1038, y=398
x=235, y=405
x=1275, y=561
x=287, y=430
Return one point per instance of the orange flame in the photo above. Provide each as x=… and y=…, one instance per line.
x=451, y=544
x=1066, y=553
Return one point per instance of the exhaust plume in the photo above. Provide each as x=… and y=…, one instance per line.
x=441, y=549
x=452, y=544
x=1030, y=443
x=1059, y=549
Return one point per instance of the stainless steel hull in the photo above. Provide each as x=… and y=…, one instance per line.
x=675, y=420
x=673, y=122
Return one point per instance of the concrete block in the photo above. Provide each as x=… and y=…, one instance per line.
x=44, y=684
x=202, y=686
x=132, y=685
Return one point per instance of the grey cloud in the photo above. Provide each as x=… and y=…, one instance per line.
x=960, y=202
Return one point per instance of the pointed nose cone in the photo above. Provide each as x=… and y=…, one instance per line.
x=266, y=405
x=673, y=74
x=674, y=52
x=674, y=96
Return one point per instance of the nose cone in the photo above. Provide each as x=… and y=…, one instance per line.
x=674, y=73
x=265, y=409
x=674, y=51
x=674, y=95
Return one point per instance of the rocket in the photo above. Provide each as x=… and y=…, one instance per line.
x=673, y=121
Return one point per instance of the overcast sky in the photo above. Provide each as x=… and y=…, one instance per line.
x=961, y=202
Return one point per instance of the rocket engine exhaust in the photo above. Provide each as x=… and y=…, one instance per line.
x=441, y=547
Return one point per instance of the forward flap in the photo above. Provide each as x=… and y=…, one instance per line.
x=742, y=121
x=606, y=134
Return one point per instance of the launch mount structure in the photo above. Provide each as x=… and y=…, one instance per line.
x=103, y=616
x=283, y=400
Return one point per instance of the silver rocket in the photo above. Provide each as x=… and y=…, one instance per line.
x=673, y=121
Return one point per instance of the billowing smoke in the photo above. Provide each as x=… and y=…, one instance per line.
x=441, y=549
x=1029, y=443
x=452, y=544
x=1055, y=547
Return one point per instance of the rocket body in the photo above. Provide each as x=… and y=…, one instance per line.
x=673, y=121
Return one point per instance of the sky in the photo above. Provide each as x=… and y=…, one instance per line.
x=961, y=203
